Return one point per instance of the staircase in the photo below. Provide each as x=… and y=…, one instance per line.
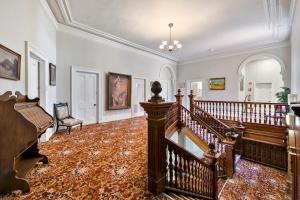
x=261, y=127
x=174, y=172
x=173, y=196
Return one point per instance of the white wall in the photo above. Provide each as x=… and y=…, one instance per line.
x=264, y=71
x=226, y=66
x=295, y=49
x=77, y=48
x=27, y=21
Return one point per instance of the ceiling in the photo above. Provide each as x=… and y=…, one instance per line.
x=203, y=27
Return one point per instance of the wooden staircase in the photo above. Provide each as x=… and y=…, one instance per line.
x=173, y=196
x=261, y=127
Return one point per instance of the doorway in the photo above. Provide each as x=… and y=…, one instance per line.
x=139, y=95
x=85, y=98
x=36, y=78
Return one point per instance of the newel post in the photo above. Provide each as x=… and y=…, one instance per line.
x=211, y=158
x=229, y=142
x=179, y=98
x=191, y=96
x=156, y=109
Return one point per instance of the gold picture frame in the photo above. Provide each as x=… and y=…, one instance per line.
x=217, y=83
x=118, y=91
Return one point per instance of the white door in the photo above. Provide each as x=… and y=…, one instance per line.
x=85, y=104
x=138, y=96
x=33, y=78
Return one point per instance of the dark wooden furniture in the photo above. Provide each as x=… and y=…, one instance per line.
x=22, y=122
x=63, y=117
x=294, y=153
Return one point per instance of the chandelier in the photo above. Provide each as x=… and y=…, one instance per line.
x=171, y=45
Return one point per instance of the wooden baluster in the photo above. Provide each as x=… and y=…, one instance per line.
x=234, y=112
x=171, y=167
x=242, y=112
x=181, y=185
x=246, y=112
x=255, y=112
x=265, y=113
x=176, y=169
x=259, y=113
x=270, y=114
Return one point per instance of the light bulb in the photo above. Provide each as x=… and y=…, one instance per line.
x=165, y=42
x=161, y=46
x=171, y=47
x=179, y=46
x=176, y=42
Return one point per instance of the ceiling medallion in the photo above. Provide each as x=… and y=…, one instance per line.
x=171, y=45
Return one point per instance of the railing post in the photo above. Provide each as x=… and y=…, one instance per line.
x=156, y=109
x=179, y=98
x=211, y=159
x=229, y=142
x=191, y=96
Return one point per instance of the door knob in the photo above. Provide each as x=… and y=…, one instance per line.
x=95, y=104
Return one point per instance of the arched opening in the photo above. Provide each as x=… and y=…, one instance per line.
x=260, y=78
x=167, y=80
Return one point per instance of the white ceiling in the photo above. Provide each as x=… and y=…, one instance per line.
x=204, y=27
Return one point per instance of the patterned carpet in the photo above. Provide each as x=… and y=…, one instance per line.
x=109, y=161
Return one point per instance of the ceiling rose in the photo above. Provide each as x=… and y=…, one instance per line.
x=170, y=45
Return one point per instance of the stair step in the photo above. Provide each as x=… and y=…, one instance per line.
x=173, y=196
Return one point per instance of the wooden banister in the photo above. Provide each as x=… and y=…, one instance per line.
x=252, y=112
x=188, y=174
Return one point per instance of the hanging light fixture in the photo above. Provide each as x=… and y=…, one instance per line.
x=170, y=45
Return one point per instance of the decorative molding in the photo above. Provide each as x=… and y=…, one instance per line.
x=67, y=15
x=89, y=36
x=292, y=11
x=236, y=52
x=49, y=12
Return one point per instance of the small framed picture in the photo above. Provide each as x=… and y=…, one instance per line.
x=10, y=63
x=217, y=84
x=52, y=74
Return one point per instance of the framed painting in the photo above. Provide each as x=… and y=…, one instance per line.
x=10, y=63
x=52, y=74
x=118, y=91
x=217, y=84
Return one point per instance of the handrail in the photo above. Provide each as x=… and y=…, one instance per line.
x=250, y=112
x=248, y=102
x=199, y=128
x=188, y=174
x=215, y=123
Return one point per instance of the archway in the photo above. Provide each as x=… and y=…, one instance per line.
x=260, y=77
x=167, y=79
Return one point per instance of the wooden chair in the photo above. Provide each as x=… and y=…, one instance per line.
x=63, y=117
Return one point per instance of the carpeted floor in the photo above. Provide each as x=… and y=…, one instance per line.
x=109, y=161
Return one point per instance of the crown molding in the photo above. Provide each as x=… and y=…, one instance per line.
x=67, y=15
x=237, y=51
x=92, y=37
x=49, y=12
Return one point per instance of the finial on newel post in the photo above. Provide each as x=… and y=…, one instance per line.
x=191, y=96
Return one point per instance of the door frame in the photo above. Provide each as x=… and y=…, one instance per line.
x=74, y=70
x=32, y=50
x=145, y=93
x=188, y=89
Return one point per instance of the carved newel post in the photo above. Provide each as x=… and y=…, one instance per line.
x=191, y=96
x=156, y=109
x=179, y=98
x=211, y=158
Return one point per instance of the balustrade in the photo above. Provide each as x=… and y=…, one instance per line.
x=253, y=112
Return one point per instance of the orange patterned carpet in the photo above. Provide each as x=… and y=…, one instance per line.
x=109, y=161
